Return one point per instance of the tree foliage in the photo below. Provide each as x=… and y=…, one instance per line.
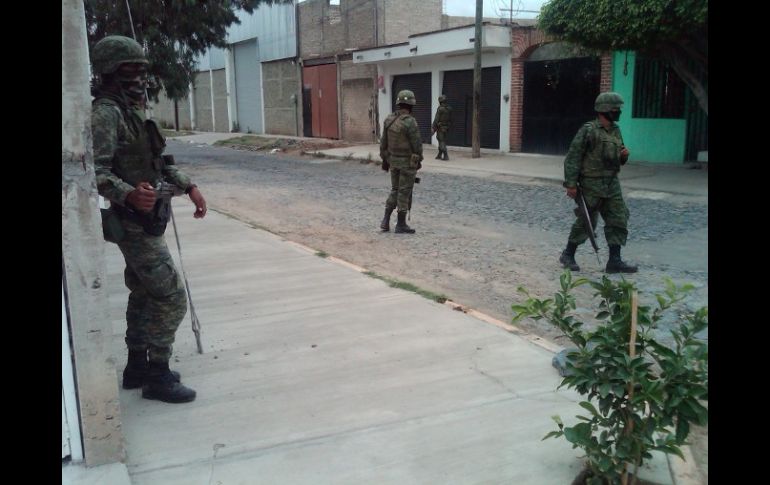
x=173, y=32
x=673, y=30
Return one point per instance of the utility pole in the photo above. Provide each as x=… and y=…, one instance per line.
x=476, y=134
x=84, y=278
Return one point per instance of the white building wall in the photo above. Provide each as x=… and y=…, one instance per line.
x=436, y=65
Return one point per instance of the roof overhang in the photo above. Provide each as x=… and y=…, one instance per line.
x=449, y=42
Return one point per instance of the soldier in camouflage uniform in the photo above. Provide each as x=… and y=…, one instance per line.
x=129, y=164
x=401, y=153
x=592, y=163
x=441, y=123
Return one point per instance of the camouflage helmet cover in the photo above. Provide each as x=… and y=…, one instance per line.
x=406, y=97
x=608, y=101
x=442, y=98
x=114, y=50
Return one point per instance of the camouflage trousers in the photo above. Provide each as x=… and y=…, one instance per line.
x=441, y=137
x=157, y=302
x=603, y=197
x=401, y=185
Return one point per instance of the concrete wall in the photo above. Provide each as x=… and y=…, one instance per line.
x=648, y=139
x=398, y=19
x=83, y=264
x=163, y=112
x=202, y=93
x=279, y=84
x=222, y=123
x=358, y=101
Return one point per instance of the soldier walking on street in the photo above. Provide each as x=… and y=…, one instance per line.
x=441, y=123
x=591, y=167
x=401, y=153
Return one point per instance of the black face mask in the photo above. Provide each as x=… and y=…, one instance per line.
x=133, y=84
x=613, y=115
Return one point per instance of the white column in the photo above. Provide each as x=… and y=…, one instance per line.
x=213, y=110
x=232, y=107
x=191, y=98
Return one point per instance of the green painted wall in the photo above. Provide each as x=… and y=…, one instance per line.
x=660, y=140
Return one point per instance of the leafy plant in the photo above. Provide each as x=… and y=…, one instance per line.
x=640, y=397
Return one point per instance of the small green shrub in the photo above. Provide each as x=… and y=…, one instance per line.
x=636, y=403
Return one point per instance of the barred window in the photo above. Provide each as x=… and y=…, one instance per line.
x=658, y=90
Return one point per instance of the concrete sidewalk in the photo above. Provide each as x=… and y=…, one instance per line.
x=649, y=180
x=314, y=373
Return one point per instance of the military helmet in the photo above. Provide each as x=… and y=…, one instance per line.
x=608, y=101
x=405, y=97
x=114, y=50
x=442, y=98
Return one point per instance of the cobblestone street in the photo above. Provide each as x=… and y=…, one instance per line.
x=477, y=241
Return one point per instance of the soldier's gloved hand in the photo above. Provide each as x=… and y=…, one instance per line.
x=571, y=192
x=142, y=198
x=385, y=165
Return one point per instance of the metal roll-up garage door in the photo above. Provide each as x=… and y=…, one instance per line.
x=248, y=86
x=458, y=88
x=419, y=84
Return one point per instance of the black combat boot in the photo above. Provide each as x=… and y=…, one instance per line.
x=401, y=226
x=567, y=258
x=446, y=156
x=385, y=224
x=617, y=265
x=161, y=385
x=135, y=372
x=438, y=155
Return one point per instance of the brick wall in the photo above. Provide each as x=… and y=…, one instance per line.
x=606, y=78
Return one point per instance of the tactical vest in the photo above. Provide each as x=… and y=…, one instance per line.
x=398, y=141
x=602, y=151
x=138, y=154
x=444, y=116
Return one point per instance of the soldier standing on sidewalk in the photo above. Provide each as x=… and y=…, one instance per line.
x=401, y=153
x=129, y=164
x=592, y=164
x=441, y=123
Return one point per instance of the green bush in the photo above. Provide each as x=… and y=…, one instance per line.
x=635, y=404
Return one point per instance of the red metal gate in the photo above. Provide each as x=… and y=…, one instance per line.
x=321, y=83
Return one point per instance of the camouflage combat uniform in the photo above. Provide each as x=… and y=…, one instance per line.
x=441, y=123
x=594, y=161
x=123, y=157
x=592, y=165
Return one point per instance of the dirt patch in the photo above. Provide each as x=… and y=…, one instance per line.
x=282, y=146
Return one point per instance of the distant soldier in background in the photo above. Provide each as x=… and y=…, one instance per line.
x=441, y=123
